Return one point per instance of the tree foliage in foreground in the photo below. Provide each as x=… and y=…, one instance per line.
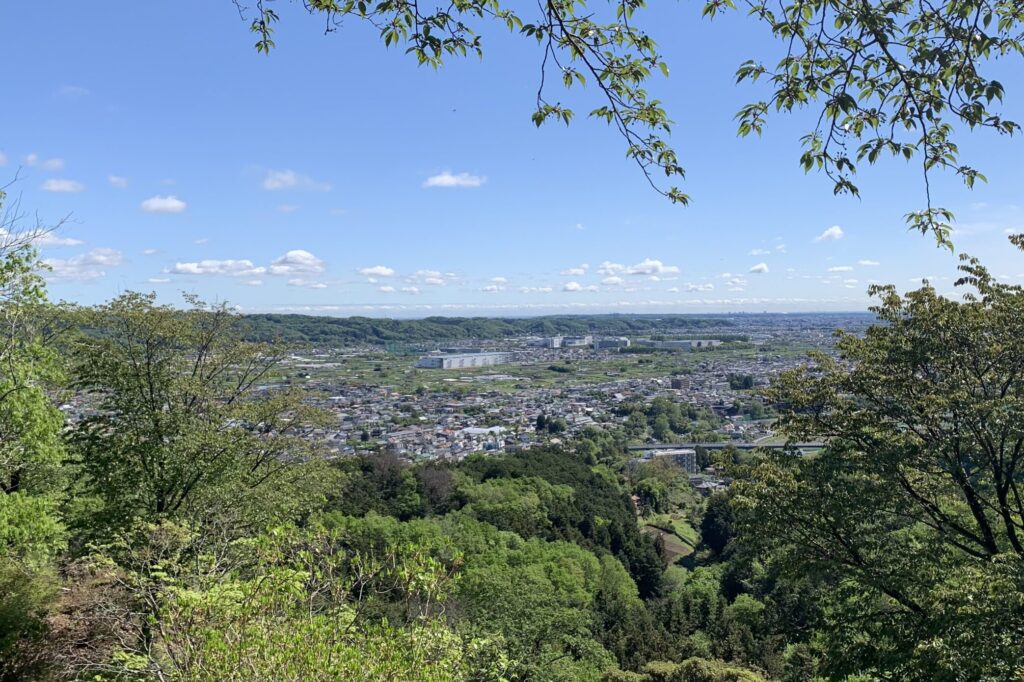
x=31, y=451
x=184, y=423
x=914, y=514
x=881, y=77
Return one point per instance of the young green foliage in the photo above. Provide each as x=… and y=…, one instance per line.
x=187, y=422
x=915, y=512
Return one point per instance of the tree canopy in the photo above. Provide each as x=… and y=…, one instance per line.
x=914, y=513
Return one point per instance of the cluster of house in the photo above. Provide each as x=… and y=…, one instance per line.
x=453, y=424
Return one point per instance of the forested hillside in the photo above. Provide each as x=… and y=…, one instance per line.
x=342, y=331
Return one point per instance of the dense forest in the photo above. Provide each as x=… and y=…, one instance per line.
x=180, y=523
x=342, y=331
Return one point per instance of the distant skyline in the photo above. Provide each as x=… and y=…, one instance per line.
x=336, y=177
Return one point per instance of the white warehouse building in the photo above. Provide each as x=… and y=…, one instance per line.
x=463, y=360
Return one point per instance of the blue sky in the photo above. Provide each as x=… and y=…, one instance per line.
x=337, y=177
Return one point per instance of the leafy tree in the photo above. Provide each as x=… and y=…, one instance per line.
x=913, y=514
x=653, y=496
x=556, y=425
x=31, y=450
x=741, y=381
x=380, y=483
x=716, y=524
x=636, y=424
x=30, y=443
x=185, y=426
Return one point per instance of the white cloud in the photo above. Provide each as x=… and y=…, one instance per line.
x=434, y=278
x=609, y=268
x=411, y=290
x=493, y=288
x=86, y=266
x=535, y=290
x=158, y=280
x=759, y=269
x=39, y=238
x=45, y=239
x=840, y=268
x=499, y=280
x=377, y=271
x=576, y=286
x=253, y=282
x=614, y=280
x=759, y=252
x=164, y=204
x=673, y=290
x=297, y=261
x=386, y=289
x=201, y=241
x=117, y=181
x=288, y=208
x=700, y=287
x=150, y=252
x=3, y=159
x=575, y=272
x=62, y=185
x=447, y=179
x=650, y=266
x=33, y=160
x=228, y=268
x=299, y=282
x=831, y=234
x=289, y=179
x=868, y=262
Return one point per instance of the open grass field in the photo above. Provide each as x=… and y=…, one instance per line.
x=680, y=538
x=675, y=548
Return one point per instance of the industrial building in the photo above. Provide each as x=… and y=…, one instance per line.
x=577, y=341
x=612, y=342
x=463, y=360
